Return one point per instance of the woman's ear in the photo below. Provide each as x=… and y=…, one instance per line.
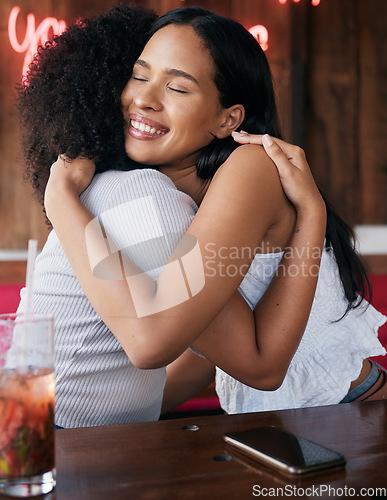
x=232, y=118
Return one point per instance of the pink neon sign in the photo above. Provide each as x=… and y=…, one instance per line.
x=313, y=2
x=33, y=36
x=261, y=34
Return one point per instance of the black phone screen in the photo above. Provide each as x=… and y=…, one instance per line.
x=284, y=447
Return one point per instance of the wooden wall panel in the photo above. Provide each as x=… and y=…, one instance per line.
x=332, y=135
x=20, y=217
x=372, y=114
x=13, y=272
x=347, y=116
x=277, y=19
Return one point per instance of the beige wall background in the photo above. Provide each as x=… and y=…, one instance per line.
x=330, y=69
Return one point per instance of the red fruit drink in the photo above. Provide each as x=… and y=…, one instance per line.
x=26, y=422
x=27, y=397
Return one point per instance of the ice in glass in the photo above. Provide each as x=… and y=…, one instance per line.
x=27, y=401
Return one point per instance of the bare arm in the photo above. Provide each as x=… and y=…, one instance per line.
x=226, y=335
x=282, y=313
x=156, y=339
x=175, y=332
x=228, y=343
x=186, y=376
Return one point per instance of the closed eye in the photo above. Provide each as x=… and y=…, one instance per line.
x=178, y=90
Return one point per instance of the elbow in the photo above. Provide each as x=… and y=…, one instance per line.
x=148, y=361
x=273, y=384
x=145, y=358
x=146, y=352
x=148, y=365
x=269, y=382
x=143, y=364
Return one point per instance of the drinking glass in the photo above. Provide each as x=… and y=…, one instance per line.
x=27, y=396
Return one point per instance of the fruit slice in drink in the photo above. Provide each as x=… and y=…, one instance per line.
x=26, y=422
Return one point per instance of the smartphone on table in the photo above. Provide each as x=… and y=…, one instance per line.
x=284, y=450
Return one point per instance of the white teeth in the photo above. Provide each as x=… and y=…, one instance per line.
x=144, y=128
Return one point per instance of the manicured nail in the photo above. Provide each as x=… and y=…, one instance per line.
x=235, y=133
x=267, y=140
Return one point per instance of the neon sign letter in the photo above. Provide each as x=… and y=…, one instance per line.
x=261, y=34
x=314, y=2
x=32, y=38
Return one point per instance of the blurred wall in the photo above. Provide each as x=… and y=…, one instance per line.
x=330, y=69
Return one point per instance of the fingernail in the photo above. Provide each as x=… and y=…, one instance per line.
x=267, y=140
x=236, y=133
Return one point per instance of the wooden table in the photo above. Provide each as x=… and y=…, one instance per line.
x=162, y=460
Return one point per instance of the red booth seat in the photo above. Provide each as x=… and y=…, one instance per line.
x=9, y=298
x=379, y=301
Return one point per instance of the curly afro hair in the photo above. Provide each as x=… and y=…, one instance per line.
x=69, y=101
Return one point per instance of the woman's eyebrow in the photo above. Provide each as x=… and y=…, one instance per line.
x=142, y=63
x=169, y=71
x=183, y=74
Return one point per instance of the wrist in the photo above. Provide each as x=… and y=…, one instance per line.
x=57, y=195
x=314, y=211
x=311, y=225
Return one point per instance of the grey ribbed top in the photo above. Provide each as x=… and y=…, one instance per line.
x=96, y=384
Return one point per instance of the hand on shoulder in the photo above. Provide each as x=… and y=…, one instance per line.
x=293, y=169
x=249, y=163
x=248, y=189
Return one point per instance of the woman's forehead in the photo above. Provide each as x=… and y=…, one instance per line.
x=179, y=48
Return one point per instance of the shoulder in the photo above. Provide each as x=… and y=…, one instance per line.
x=247, y=188
x=138, y=180
x=249, y=169
x=249, y=152
x=248, y=163
x=115, y=187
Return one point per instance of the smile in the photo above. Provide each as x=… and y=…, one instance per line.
x=145, y=128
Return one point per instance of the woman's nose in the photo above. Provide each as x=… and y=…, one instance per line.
x=145, y=96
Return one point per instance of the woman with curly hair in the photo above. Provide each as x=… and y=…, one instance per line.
x=191, y=125
x=70, y=102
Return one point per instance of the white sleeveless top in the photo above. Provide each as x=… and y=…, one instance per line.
x=330, y=354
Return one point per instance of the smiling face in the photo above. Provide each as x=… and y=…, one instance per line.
x=171, y=104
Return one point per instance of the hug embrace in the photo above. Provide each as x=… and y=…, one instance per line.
x=162, y=135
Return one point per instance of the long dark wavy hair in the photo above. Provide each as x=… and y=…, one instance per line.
x=70, y=100
x=242, y=76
